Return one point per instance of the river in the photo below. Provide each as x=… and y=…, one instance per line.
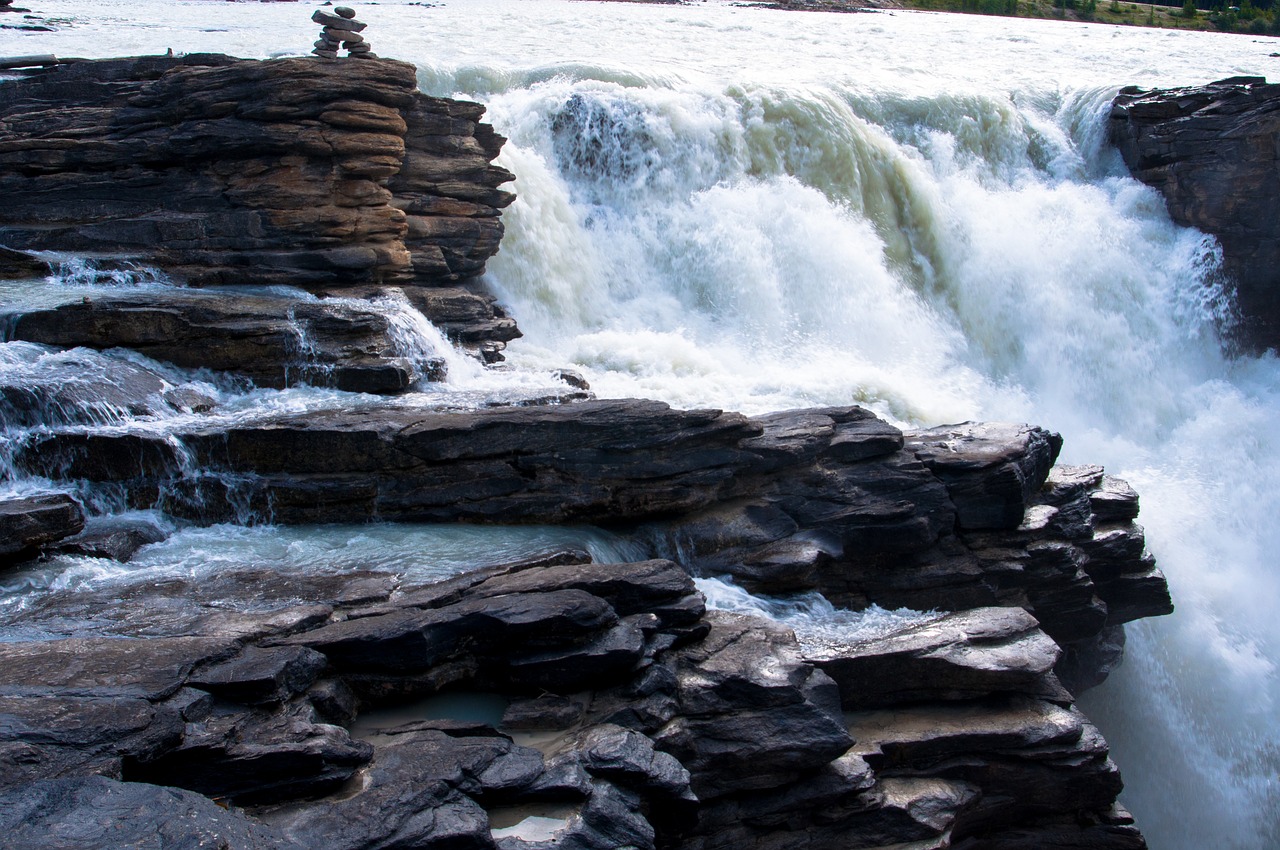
x=751, y=209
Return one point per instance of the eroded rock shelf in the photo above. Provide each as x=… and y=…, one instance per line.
x=609, y=707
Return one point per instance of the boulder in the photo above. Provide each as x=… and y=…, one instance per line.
x=29, y=522
x=959, y=656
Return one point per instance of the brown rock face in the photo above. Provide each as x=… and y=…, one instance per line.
x=328, y=176
x=1212, y=151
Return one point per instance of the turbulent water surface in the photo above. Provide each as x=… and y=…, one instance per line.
x=756, y=210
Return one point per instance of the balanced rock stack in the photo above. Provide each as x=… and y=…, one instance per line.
x=341, y=29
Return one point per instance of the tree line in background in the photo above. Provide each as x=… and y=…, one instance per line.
x=1256, y=18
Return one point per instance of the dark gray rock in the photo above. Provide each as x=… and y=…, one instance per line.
x=105, y=667
x=991, y=470
x=44, y=387
x=16, y=265
x=752, y=714
x=82, y=812
x=111, y=537
x=413, y=641
x=31, y=522
x=255, y=757
x=415, y=793
x=52, y=736
x=959, y=656
x=259, y=675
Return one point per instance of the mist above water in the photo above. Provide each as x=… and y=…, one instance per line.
x=757, y=210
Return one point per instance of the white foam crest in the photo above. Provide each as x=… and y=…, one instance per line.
x=815, y=621
x=418, y=553
x=81, y=271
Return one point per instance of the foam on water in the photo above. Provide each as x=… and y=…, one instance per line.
x=755, y=210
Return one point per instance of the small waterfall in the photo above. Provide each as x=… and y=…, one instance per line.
x=81, y=271
x=422, y=345
x=810, y=615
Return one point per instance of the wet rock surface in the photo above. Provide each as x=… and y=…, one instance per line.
x=1211, y=152
x=273, y=341
x=31, y=522
x=547, y=702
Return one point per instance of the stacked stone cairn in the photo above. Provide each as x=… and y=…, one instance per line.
x=341, y=29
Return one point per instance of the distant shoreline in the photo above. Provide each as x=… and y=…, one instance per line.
x=1242, y=20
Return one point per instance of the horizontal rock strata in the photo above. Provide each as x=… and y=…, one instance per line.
x=626, y=716
x=833, y=500
x=1211, y=151
x=332, y=176
x=274, y=341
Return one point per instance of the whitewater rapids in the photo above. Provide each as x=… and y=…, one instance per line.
x=734, y=207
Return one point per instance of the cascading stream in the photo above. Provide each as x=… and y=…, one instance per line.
x=757, y=210
x=972, y=257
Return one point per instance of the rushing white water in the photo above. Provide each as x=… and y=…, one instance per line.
x=754, y=209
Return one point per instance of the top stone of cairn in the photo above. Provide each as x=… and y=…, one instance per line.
x=345, y=12
x=337, y=23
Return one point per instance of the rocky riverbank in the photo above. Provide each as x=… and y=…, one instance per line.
x=337, y=177
x=1211, y=151
x=625, y=713
x=604, y=705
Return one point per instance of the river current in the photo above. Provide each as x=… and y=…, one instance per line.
x=751, y=209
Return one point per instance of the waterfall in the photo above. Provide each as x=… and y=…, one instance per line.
x=937, y=259
x=754, y=210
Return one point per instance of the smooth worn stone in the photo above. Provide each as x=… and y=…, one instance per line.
x=255, y=757
x=98, y=812
x=344, y=11
x=991, y=470
x=110, y=537
x=261, y=675
x=28, y=523
x=955, y=657
x=343, y=36
x=337, y=22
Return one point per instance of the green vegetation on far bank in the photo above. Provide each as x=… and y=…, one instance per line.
x=1260, y=18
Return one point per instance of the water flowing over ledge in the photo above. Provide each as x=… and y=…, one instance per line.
x=954, y=795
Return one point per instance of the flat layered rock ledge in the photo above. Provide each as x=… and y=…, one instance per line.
x=610, y=707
